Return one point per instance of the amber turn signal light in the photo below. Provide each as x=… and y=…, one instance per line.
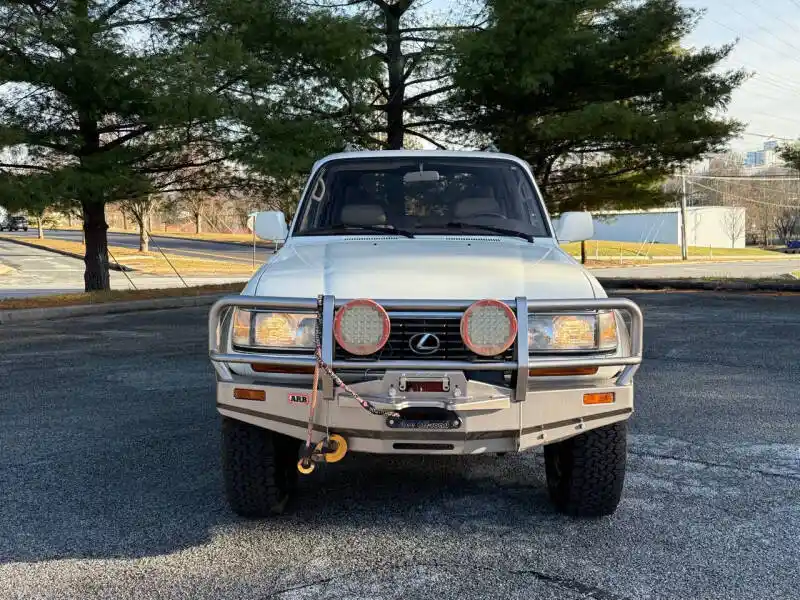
x=278, y=369
x=248, y=394
x=604, y=398
x=555, y=371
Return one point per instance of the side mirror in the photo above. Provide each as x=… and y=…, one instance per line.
x=271, y=226
x=575, y=227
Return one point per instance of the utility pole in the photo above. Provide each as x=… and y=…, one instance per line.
x=684, y=249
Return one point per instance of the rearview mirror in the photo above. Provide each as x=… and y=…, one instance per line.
x=575, y=227
x=271, y=226
x=421, y=176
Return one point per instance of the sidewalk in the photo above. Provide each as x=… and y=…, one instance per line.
x=26, y=271
x=750, y=269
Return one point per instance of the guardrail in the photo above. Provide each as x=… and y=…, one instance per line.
x=523, y=360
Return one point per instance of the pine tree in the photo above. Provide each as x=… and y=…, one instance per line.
x=597, y=95
x=111, y=100
x=96, y=94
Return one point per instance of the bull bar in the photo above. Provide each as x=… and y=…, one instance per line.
x=523, y=362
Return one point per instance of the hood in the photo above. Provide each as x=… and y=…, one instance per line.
x=429, y=268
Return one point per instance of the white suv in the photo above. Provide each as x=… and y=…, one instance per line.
x=421, y=305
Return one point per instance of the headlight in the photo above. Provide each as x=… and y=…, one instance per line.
x=273, y=330
x=582, y=332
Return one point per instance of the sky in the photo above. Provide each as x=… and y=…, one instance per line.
x=768, y=47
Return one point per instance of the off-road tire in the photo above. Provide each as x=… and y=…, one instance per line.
x=259, y=468
x=586, y=473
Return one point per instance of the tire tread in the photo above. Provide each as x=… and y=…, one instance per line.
x=254, y=463
x=593, y=466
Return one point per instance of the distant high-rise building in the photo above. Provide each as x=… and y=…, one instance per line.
x=754, y=159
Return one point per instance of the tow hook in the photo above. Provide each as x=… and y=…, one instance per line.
x=330, y=450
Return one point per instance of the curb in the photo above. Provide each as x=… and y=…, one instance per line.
x=111, y=266
x=719, y=285
x=260, y=243
x=105, y=308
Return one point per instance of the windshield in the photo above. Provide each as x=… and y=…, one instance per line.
x=422, y=196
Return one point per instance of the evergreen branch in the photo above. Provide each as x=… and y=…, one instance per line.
x=426, y=79
x=114, y=9
x=426, y=138
x=381, y=87
x=146, y=21
x=116, y=142
x=440, y=28
x=422, y=40
x=155, y=169
x=26, y=167
x=335, y=5
x=379, y=53
x=607, y=175
x=428, y=94
x=431, y=123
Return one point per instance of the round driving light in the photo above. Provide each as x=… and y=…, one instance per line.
x=488, y=327
x=361, y=327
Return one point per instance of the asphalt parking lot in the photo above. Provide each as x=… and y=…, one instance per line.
x=110, y=485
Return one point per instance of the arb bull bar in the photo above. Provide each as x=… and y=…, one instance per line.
x=222, y=353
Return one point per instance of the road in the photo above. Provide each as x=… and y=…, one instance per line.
x=111, y=486
x=235, y=252
x=34, y=272
x=180, y=246
x=743, y=269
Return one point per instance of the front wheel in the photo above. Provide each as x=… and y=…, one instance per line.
x=586, y=473
x=259, y=468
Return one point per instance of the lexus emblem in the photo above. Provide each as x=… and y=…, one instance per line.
x=424, y=343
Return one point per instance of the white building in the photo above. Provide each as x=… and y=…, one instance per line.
x=715, y=226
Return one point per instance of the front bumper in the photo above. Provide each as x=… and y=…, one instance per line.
x=490, y=418
x=545, y=416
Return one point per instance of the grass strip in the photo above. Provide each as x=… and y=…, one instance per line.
x=149, y=263
x=88, y=298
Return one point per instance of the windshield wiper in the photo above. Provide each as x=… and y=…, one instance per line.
x=388, y=230
x=492, y=228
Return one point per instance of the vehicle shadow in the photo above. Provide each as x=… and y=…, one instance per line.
x=369, y=488
x=160, y=494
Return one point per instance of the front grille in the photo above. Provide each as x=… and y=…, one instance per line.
x=446, y=328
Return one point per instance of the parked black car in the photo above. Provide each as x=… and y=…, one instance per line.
x=15, y=224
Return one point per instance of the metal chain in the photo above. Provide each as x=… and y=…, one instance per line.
x=321, y=365
x=365, y=404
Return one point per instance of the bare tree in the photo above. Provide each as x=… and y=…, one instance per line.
x=40, y=214
x=733, y=222
x=140, y=209
x=786, y=221
x=196, y=204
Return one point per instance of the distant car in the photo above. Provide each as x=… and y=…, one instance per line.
x=15, y=224
x=793, y=246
